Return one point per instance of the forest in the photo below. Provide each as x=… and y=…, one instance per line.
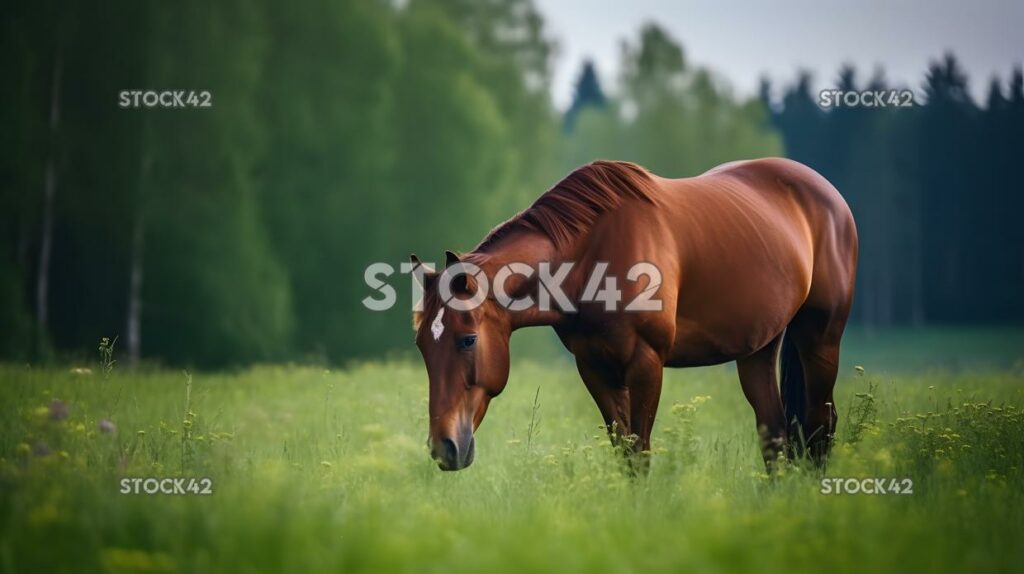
x=344, y=133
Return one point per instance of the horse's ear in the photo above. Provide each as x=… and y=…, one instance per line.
x=450, y=259
x=463, y=283
x=428, y=272
x=428, y=278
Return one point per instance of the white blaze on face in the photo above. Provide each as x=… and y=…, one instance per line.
x=436, y=327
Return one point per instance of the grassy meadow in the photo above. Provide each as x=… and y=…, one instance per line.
x=325, y=470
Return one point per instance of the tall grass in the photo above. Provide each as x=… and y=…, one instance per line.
x=327, y=471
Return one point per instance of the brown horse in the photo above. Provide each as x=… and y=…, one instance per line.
x=752, y=256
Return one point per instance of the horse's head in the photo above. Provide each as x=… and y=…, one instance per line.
x=467, y=357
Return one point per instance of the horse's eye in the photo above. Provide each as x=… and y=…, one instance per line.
x=467, y=342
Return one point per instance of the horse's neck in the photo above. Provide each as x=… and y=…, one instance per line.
x=531, y=249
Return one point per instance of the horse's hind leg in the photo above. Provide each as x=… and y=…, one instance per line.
x=757, y=377
x=816, y=334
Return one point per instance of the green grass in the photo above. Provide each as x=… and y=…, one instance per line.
x=317, y=471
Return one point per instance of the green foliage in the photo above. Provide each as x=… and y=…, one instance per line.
x=107, y=360
x=451, y=136
x=317, y=470
x=327, y=104
x=860, y=417
x=674, y=119
x=205, y=234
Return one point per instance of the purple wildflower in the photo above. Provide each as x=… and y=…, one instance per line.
x=58, y=410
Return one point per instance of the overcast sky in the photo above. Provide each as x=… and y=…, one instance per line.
x=742, y=40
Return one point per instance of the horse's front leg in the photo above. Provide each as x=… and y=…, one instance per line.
x=643, y=381
x=604, y=380
x=627, y=396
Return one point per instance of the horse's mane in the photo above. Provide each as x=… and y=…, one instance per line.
x=570, y=208
x=564, y=212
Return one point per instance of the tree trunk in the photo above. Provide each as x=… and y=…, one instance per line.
x=134, y=326
x=49, y=192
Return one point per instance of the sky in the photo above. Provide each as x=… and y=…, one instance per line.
x=744, y=40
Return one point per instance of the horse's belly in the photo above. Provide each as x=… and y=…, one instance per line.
x=695, y=346
x=736, y=320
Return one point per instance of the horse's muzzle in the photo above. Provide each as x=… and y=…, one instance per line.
x=454, y=453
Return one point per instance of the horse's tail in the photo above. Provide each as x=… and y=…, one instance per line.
x=794, y=399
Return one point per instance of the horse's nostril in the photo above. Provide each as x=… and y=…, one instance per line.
x=451, y=451
x=446, y=452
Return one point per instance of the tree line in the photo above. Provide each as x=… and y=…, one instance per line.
x=934, y=189
x=340, y=134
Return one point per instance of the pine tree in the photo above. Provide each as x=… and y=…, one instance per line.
x=587, y=94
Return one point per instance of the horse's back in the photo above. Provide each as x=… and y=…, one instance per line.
x=815, y=194
x=830, y=223
x=800, y=198
x=756, y=241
